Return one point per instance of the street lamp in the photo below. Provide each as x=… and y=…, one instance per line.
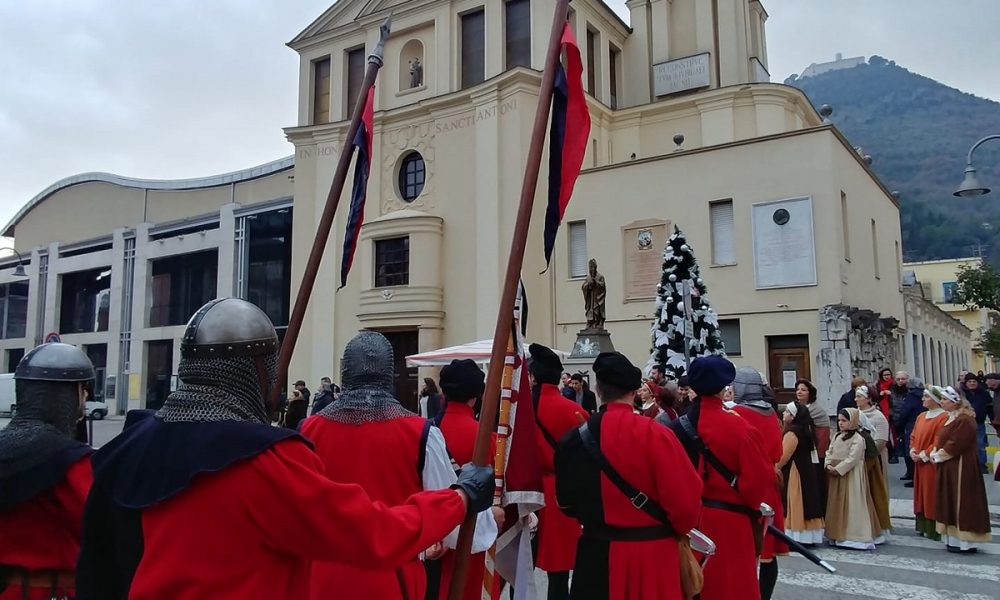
x=19, y=269
x=971, y=187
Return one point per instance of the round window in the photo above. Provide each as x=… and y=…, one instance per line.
x=411, y=176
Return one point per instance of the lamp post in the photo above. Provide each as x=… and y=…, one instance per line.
x=19, y=269
x=971, y=187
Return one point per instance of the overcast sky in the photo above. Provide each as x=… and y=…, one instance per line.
x=188, y=88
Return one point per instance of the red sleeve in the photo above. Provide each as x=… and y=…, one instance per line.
x=302, y=512
x=678, y=485
x=72, y=494
x=756, y=471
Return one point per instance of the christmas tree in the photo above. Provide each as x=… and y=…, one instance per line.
x=680, y=272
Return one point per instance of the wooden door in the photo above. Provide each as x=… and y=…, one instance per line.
x=786, y=364
x=404, y=343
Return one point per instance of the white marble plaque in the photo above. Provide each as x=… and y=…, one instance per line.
x=689, y=73
x=784, y=246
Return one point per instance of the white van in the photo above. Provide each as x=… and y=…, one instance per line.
x=6, y=393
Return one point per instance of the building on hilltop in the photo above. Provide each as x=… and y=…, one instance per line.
x=798, y=240
x=836, y=64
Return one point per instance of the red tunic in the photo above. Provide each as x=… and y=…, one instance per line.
x=557, y=533
x=459, y=427
x=732, y=572
x=251, y=530
x=770, y=432
x=391, y=471
x=649, y=457
x=43, y=533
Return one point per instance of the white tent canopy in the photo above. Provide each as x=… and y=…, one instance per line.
x=478, y=351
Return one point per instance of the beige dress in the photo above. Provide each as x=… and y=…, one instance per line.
x=849, y=509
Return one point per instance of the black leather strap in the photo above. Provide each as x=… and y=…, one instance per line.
x=692, y=434
x=422, y=451
x=736, y=508
x=639, y=499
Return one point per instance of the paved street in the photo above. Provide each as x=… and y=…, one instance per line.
x=907, y=568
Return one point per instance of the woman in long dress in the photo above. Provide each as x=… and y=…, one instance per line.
x=804, y=508
x=875, y=429
x=962, y=512
x=805, y=396
x=850, y=515
x=922, y=440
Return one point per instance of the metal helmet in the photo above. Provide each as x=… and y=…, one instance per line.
x=228, y=366
x=228, y=327
x=55, y=362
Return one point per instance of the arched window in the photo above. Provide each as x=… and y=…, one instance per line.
x=411, y=176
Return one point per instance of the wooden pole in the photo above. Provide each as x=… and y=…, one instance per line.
x=326, y=220
x=505, y=316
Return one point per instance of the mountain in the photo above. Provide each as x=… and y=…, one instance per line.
x=918, y=132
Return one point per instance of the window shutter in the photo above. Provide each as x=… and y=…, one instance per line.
x=578, y=249
x=723, y=247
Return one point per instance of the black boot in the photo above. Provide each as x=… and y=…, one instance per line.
x=768, y=578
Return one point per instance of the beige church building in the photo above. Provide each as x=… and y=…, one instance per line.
x=797, y=240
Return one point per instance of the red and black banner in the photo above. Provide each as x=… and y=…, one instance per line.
x=362, y=167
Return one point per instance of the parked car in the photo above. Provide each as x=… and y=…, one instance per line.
x=8, y=402
x=96, y=410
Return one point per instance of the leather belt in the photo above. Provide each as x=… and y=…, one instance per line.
x=736, y=508
x=610, y=533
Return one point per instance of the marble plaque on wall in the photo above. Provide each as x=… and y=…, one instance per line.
x=784, y=245
x=643, y=254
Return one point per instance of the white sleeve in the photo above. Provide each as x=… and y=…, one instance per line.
x=438, y=475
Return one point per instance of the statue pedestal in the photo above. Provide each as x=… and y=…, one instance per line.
x=589, y=343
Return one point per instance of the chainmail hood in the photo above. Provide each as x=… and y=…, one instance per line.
x=45, y=423
x=229, y=364
x=367, y=375
x=749, y=389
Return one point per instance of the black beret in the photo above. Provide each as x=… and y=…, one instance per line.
x=462, y=380
x=709, y=375
x=613, y=368
x=544, y=364
x=992, y=376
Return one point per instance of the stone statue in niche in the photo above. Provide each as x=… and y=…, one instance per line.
x=416, y=73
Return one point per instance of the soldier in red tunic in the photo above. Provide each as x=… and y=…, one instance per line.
x=556, y=416
x=462, y=383
x=753, y=402
x=204, y=499
x=44, y=475
x=403, y=454
x=718, y=440
x=628, y=481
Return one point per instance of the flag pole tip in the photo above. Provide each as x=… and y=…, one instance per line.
x=384, y=29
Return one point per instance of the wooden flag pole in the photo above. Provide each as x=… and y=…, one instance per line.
x=505, y=316
x=329, y=211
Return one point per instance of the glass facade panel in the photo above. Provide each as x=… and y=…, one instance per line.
x=159, y=369
x=180, y=285
x=14, y=309
x=85, y=301
x=269, y=273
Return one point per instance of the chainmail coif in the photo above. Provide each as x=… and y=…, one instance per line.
x=367, y=375
x=749, y=389
x=219, y=389
x=45, y=423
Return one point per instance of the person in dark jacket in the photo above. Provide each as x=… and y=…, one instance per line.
x=847, y=400
x=582, y=394
x=993, y=387
x=982, y=403
x=324, y=397
x=297, y=410
x=906, y=418
x=898, y=392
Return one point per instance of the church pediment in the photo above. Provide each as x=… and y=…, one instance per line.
x=346, y=12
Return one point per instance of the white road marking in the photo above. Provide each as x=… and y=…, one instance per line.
x=877, y=559
x=871, y=588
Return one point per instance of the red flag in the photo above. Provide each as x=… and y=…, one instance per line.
x=568, y=136
x=362, y=166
